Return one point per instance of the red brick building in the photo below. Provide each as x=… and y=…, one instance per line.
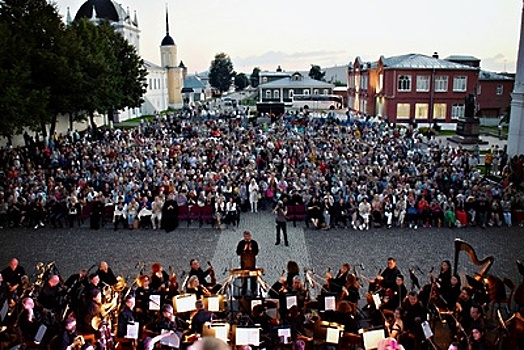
x=494, y=95
x=413, y=86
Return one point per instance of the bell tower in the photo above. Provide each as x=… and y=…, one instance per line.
x=168, y=52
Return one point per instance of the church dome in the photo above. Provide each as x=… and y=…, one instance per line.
x=168, y=41
x=105, y=9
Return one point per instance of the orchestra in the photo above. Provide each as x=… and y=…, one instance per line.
x=101, y=311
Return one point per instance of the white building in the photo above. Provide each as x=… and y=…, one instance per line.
x=165, y=81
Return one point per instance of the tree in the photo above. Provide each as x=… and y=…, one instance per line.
x=221, y=72
x=241, y=81
x=316, y=72
x=255, y=77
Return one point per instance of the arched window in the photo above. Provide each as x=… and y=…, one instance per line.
x=404, y=83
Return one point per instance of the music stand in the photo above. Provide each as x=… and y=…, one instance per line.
x=246, y=335
x=248, y=261
x=184, y=303
x=214, y=303
x=328, y=301
x=219, y=329
x=284, y=334
x=372, y=338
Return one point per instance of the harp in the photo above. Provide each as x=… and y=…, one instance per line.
x=485, y=264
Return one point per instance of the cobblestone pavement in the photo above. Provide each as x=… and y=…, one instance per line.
x=421, y=249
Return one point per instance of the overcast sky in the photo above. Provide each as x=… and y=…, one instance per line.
x=296, y=33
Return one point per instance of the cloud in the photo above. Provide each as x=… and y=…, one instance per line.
x=498, y=63
x=302, y=60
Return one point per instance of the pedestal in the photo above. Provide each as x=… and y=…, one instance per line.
x=468, y=131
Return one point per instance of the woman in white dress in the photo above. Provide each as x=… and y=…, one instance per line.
x=253, y=195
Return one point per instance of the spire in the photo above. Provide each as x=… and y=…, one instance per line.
x=167, y=21
x=93, y=15
x=135, y=20
x=68, y=16
x=128, y=15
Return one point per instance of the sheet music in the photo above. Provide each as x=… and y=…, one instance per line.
x=221, y=332
x=376, y=300
x=184, y=303
x=213, y=304
x=373, y=338
x=332, y=335
x=4, y=310
x=427, y=330
x=330, y=303
x=284, y=335
x=171, y=340
x=255, y=302
x=154, y=302
x=132, y=331
x=291, y=300
x=247, y=336
x=40, y=334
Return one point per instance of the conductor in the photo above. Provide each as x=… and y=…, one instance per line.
x=247, y=249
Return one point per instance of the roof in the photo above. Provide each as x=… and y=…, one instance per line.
x=193, y=82
x=149, y=64
x=485, y=75
x=168, y=41
x=104, y=9
x=462, y=58
x=305, y=82
x=418, y=61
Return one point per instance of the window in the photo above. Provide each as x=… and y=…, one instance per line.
x=500, y=89
x=364, y=82
x=264, y=80
x=276, y=94
x=268, y=94
x=315, y=92
x=325, y=92
x=460, y=84
x=439, y=111
x=421, y=111
x=290, y=93
x=457, y=111
x=441, y=83
x=403, y=110
x=404, y=83
x=380, y=81
x=305, y=92
x=423, y=83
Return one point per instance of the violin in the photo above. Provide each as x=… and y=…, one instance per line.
x=212, y=275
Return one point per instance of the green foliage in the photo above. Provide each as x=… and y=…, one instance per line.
x=241, y=81
x=48, y=69
x=255, y=77
x=221, y=72
x=316, y=72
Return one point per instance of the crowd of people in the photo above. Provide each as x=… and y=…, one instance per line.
x=357, y=173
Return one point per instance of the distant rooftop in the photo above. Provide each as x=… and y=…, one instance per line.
x=486, y=75
x=418, y=61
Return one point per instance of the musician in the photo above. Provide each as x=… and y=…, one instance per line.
x=395, y=327
x=476, y=319
x=388, y=277
x=68, y=335
x=172, y=289
x=200, y=317
x=285, y=282
x=93, y=309
x=351, y=291
x=50, y=293
x=93, y=285
x=453, y=292
x=247, y=246
x=3, y=291
x=336, y=284
x=159, y=278
x=260, y=318
x=194, y=287
x=12, y=275
x=197, y=271
x=105, y=274
x=142, y=294
x=477, y=339
x=444, y=277
x=28, y=320
x=414, y=315
x=299, y=291
x=75, y=287
x=126, y=316
x=463, y=306
x=395, y=297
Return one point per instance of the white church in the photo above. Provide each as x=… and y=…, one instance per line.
x=165, y=82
